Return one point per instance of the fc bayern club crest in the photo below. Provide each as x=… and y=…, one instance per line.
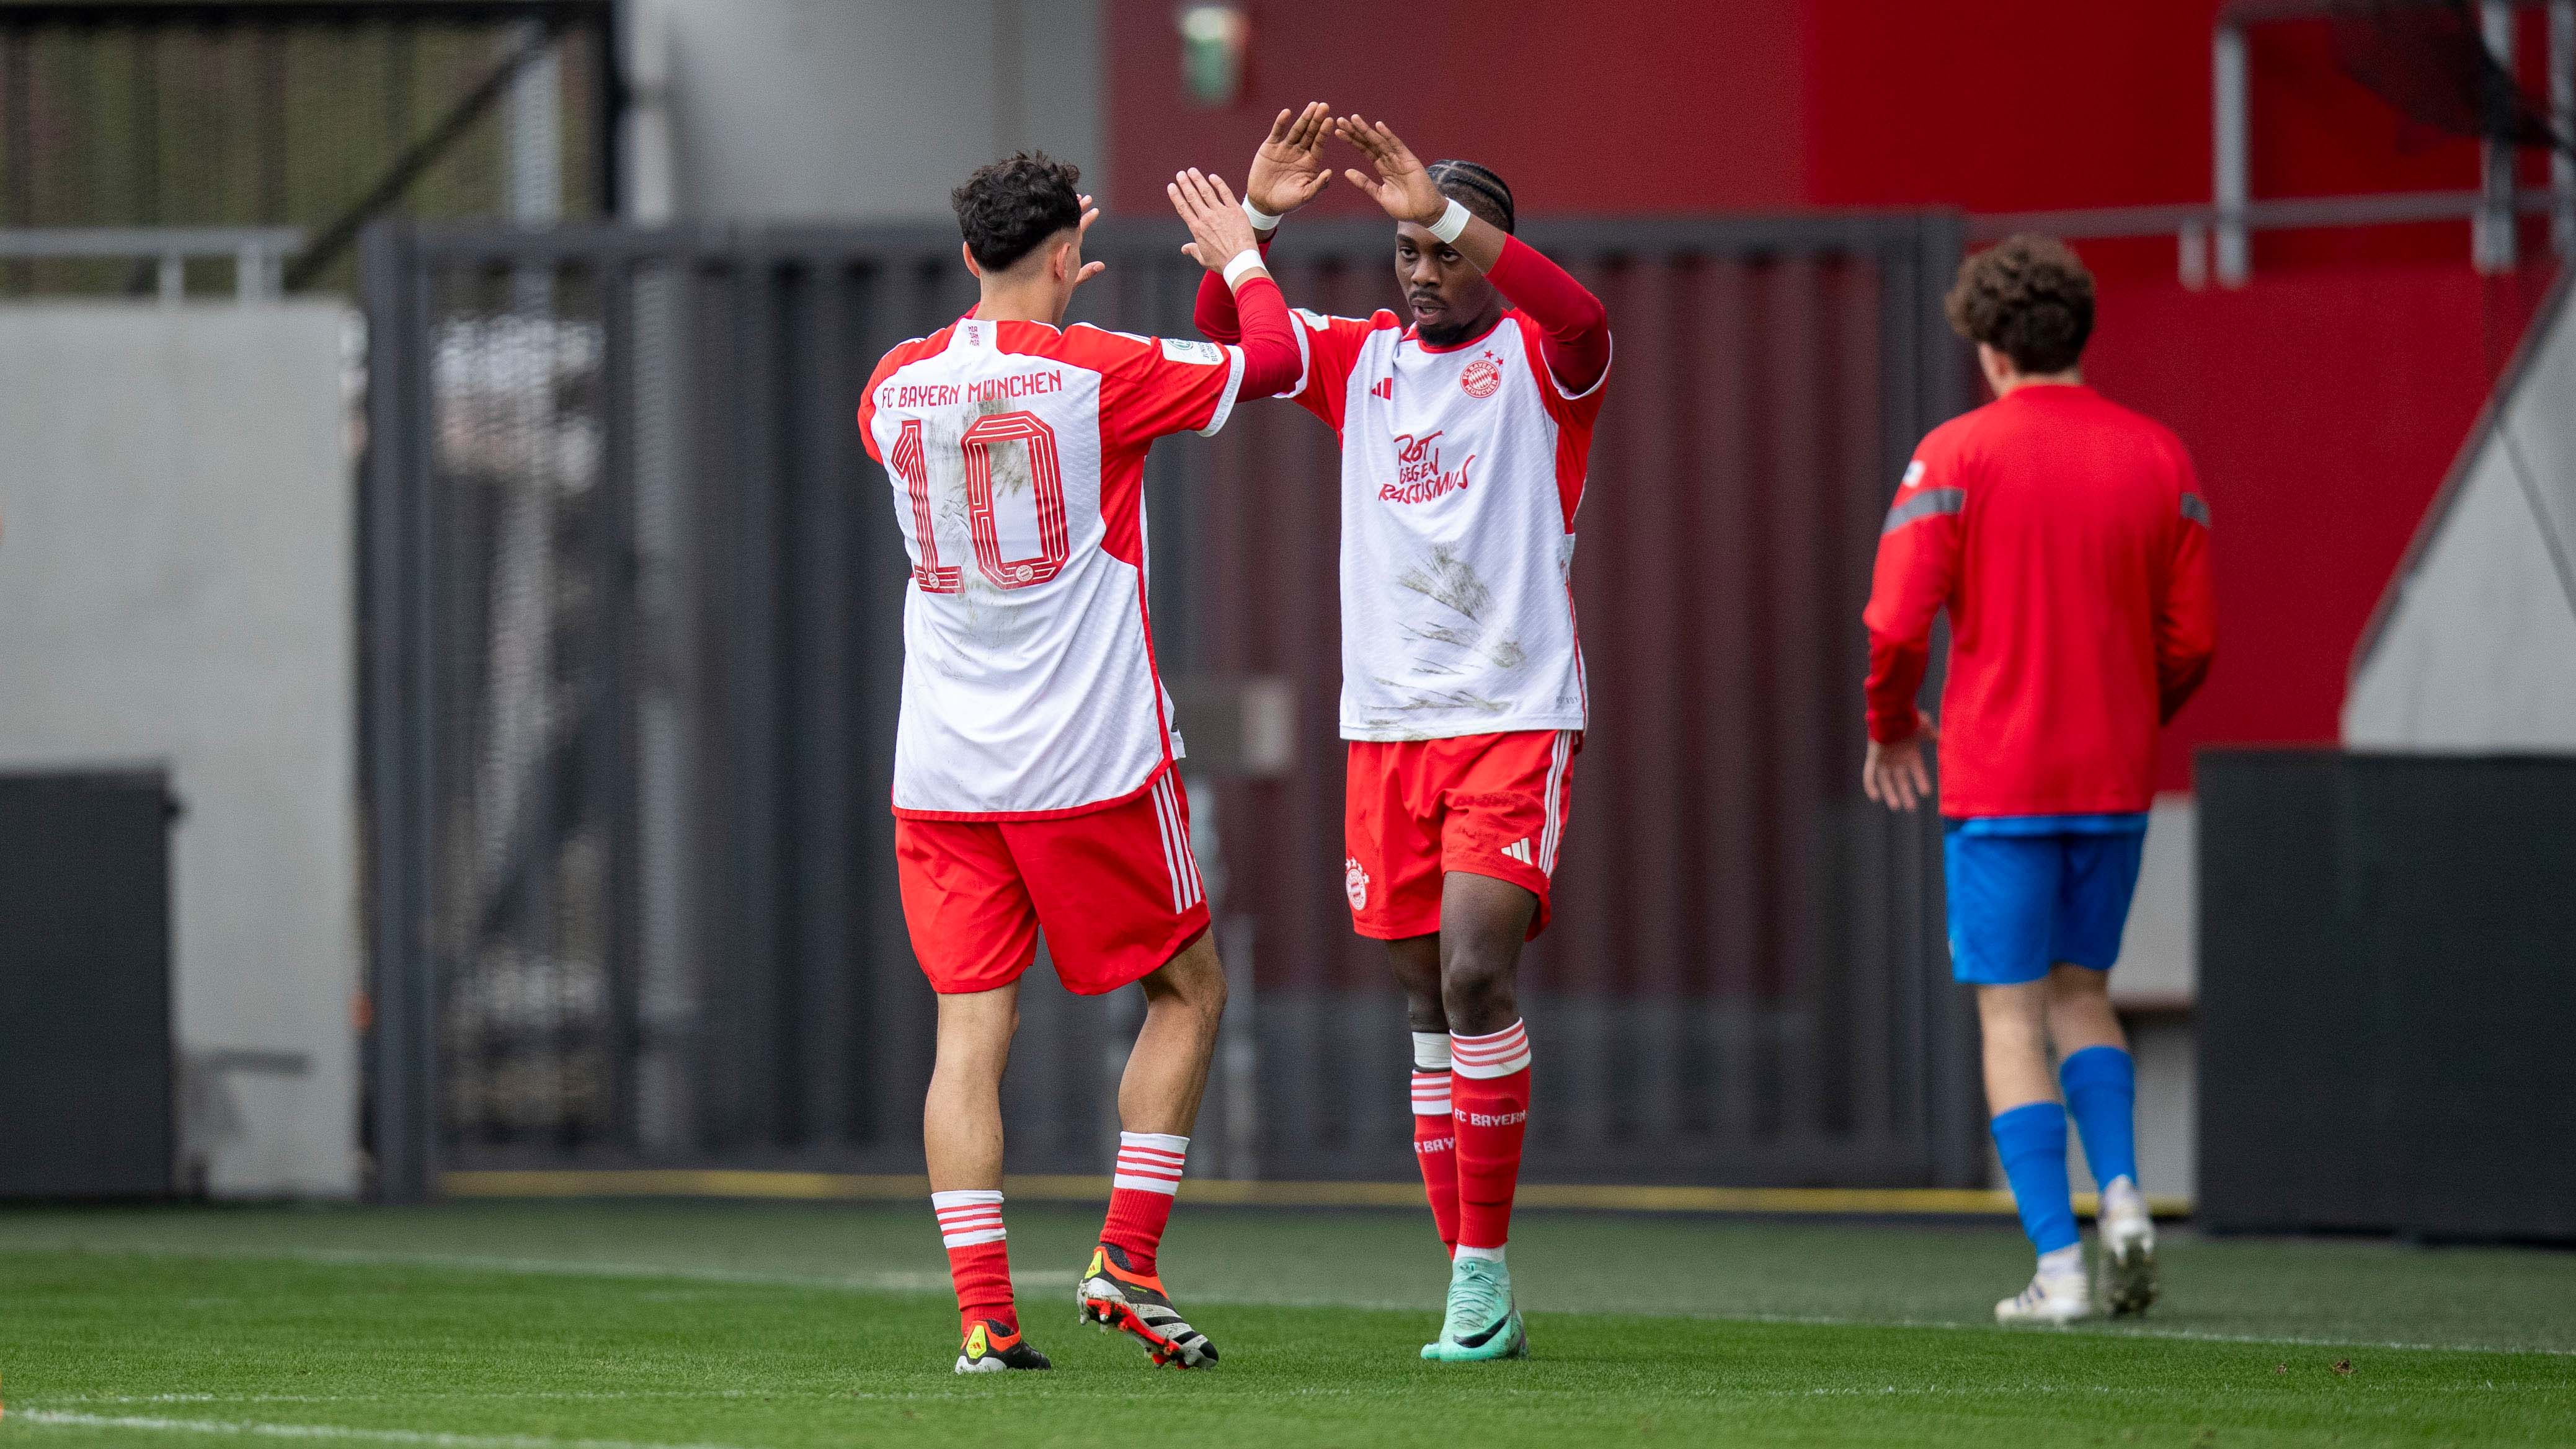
x=1482, y=376
x=1355, y=884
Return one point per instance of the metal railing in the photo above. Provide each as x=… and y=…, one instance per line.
x=2194, y=227
x=2234, y=214
x=258, y=253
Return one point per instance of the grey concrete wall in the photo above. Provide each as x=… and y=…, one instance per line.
x=175, y=581
x=854, y=109
x=2478, y=652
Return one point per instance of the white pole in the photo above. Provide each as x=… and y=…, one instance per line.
x=535, y=145
x=651, y=185
x=2562, y=114
x=2492, y=240
x=2231, y=175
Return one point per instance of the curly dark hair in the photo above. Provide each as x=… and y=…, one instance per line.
x=1008, y=208
x=1476, y=188
x=2029, y=298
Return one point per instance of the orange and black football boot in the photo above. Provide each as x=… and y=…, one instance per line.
x=1117, y=1297
x=990, y=1349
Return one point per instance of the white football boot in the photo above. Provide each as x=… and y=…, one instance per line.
x=2128, y=1250
x=2057, y=1296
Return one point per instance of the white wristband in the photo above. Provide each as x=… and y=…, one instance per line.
x=1451, y=224
x=1261, y=220
x=1246, y=260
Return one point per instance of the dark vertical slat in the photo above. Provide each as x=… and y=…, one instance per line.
x=396, y=785
x=762, y=1053
x=714, y=481
x=615, y=756
x=608, y=100
x=1729, y=745
x=816, y=374
x=1667, y=572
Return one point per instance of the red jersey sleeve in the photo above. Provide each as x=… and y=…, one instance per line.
x=1569, y=329
x=1918, y=558
x=1151, y=387
x=1327, y=347
x=2187, y=615
x=868, y=400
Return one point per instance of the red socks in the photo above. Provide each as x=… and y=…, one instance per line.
x=1140, y=1195
x=1435, y=1135
x=979, y=1258
x=1489, y=1096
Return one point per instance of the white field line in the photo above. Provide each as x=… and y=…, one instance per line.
x=253, y=1428
x=924, y=1282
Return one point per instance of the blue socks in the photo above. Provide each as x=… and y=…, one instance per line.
x=2032, y=1141
x=2102, y=1096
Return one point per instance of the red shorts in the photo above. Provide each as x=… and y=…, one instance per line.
x=1116, y=891
x=1492, y=805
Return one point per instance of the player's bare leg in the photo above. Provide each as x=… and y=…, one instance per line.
x=1158, y=1104
x=1483, y=922
x=961, y=1133
x=1167, y=1072
x=2080, y=1018
x=2030, y=1133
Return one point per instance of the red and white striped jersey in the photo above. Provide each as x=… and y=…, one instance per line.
x=1462, y=468
x=1016, y=453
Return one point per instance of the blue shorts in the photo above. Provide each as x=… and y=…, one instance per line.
x=2024, y=899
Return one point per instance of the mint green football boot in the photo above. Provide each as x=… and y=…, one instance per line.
x=1482, y=1322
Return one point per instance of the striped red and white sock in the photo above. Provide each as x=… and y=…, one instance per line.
x=979, y=1256
x=1435, y=1134
x=1489, y=1098
x=1140, y=1194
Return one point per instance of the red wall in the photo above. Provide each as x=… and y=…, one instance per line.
x=2324, y=402
x=1629, y=108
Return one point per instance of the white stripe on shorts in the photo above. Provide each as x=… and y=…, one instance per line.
x=1556, y=763
x=1178, y=861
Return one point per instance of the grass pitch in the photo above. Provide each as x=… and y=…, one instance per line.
x=648, y=1324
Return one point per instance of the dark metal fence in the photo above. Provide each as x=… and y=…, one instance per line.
x=633, y=593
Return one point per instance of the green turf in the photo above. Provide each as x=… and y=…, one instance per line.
x=510, y=1327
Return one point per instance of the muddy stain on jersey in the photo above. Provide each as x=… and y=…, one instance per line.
x=987, y=617
x=1451, y=581
x=1010, y=460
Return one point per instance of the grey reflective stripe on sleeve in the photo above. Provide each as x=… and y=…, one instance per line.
x=1924, y=505
x=2196, y=508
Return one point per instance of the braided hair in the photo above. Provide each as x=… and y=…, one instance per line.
x=1476, y=188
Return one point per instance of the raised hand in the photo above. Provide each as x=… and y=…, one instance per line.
x=1219, y=231
x=1090, y=214
x=1402, y=185
x=1289, y=171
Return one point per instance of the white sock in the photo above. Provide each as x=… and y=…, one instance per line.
x=2066, y=1262
x=1150, y=1162
x=1431, y=1051
x=1490, y=1255
x=2121, y=1198
x=968, y=1216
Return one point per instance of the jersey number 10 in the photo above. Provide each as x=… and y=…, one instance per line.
x=1046, y=490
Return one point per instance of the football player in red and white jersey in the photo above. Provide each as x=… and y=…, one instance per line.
x=1034, y=786
x=1464, y=433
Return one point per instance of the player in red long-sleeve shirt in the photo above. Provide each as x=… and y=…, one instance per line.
x=1033, y=784
x=2069, y=541
x=1464, y=440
